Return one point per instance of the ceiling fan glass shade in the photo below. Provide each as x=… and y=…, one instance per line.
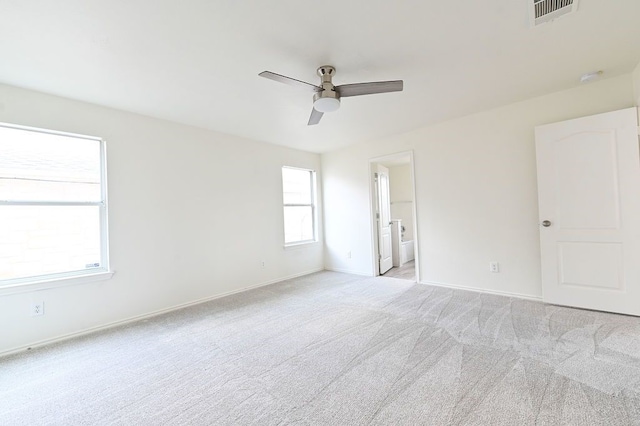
x=326, y=104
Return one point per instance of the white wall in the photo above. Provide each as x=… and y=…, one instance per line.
x=476, y=191
x=636, y=85
x=193, y=214
x=401, y=196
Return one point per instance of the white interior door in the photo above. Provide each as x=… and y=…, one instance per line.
x=589, y=202
x=384, y=219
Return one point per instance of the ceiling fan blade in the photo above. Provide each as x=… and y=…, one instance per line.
x=315, y=117
x=290, y=81
x=358, y=89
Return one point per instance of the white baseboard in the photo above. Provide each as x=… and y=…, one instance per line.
x=480, y=290
x=347, y=271
x=148, y=315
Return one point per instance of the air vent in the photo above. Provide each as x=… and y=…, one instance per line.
x=548, y=10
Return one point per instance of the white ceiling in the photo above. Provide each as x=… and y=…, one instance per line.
x=197, y=61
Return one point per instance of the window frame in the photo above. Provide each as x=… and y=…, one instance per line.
x=102, y=272
x=313, y=205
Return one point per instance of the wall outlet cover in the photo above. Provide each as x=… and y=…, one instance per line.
x=37, y=309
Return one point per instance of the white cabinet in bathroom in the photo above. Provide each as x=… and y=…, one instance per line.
x=401, y=251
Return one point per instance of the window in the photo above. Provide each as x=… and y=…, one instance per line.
x=299, y=194
x=53, y=207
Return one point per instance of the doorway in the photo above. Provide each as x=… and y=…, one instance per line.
x=394, y=217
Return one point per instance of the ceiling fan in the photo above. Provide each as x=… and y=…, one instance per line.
x=327, y=96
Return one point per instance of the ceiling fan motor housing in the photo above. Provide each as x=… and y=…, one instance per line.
x=328, y=99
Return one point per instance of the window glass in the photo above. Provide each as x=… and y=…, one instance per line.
x=42, y=240
x=38, y=166
x=298, y=224
x=296, y=186
x=298, y=193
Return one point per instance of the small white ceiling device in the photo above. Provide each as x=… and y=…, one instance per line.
x=327, y=96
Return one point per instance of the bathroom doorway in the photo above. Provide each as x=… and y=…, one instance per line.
x=394, y=219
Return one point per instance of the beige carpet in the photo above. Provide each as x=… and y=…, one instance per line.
x=338, y=349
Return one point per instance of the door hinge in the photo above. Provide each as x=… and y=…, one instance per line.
x=377, y=215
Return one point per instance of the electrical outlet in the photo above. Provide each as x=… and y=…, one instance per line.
x=264, y=263
x=494, y=267
x=37, y=308
x=349, y=255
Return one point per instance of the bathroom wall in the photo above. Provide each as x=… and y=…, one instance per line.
x=401, y=195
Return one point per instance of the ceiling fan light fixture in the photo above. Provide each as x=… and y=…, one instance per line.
x=326, y=104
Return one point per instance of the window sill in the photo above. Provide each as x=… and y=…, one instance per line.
x=45, y=284
x=304, y=244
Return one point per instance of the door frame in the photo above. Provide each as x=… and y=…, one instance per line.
x=373, y=200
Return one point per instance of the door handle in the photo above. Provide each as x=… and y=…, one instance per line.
x=546, y=223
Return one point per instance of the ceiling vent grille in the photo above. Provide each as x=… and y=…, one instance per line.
x=548, y=10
